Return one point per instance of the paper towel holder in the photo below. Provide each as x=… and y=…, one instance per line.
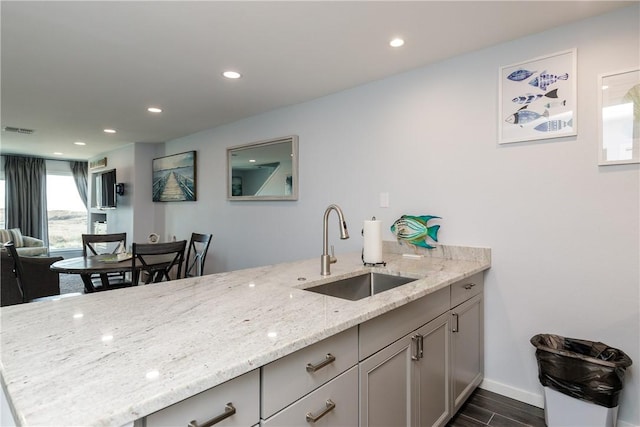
x=371, y=264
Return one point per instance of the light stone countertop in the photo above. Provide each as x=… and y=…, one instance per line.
x=112, y=357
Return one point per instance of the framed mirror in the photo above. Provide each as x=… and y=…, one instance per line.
x=619, y=117
x=264, y=170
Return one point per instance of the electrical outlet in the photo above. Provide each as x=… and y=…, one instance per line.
x=384, y=200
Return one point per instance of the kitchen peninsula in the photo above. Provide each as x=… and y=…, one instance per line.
x=114, y=357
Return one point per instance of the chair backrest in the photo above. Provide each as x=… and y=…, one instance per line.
x=18, y=271
x=91, y=242
x=26, y=279
x=196, y=254
x=157, y=260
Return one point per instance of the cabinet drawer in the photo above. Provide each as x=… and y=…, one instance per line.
x=379, y=332
x=242, y=392
x=338, y=400
x=287, y=379
x=467, y=288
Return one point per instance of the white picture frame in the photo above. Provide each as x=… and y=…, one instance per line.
x=537, y=98
x=619, y=117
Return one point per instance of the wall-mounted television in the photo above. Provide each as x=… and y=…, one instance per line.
x=105, y=185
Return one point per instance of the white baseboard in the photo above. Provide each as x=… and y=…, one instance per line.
x=514, y=393
x=525, y=396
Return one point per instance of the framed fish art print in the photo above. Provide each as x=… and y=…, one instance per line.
x=537, y=98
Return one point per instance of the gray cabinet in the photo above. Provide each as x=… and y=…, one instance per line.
x=234, y=403
x=388, y=386
x=404, y=368
x=317, y=385
x=333, y=404
x=421, y=377
x=407, y=383
x=433, y=373
x=467, y=338
x=467, y=352
x=288, y=379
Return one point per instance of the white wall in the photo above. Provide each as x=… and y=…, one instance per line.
x=564, y=232
x=148, y=216
x=121, y=218
x=135, y=213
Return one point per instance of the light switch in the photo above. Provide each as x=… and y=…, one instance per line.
x=384, y=200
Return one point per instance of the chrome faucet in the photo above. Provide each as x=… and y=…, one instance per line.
x=326, y=260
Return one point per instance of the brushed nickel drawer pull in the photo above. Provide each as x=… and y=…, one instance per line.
x=329, y=358
x=229, y=410
x=469, y=286
x=455, y=326
x=313, y=418
x=418, y=340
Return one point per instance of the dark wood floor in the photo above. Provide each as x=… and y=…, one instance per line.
x=485, y=408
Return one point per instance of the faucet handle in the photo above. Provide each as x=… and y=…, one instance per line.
x=332, y=258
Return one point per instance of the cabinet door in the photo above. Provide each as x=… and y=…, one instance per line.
x=467, y=342
x=433, y=373
x=388, y=386
x=333, y=404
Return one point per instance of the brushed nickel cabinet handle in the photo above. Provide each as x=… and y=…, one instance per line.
x=329, y=358
x=418, y=340
x=229, y=410
x=313, y=418
x=469, y=286
x=454, y=328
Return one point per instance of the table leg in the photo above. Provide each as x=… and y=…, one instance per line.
x=88, y=284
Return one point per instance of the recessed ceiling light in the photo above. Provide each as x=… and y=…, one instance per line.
x=397, y=42
x=252, y=160
x=232, y=74
x=109, y=131
x=154, y=110
x=57, y=153
x=79, y=143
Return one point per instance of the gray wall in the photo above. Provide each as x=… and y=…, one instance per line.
x=564, y=232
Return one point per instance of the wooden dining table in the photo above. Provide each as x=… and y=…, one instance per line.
x=103, y=264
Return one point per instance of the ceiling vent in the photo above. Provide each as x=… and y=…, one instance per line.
x=18, y=130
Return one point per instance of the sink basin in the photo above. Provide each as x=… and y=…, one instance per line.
x=362, y=286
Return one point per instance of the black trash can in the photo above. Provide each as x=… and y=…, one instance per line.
x=582, y=380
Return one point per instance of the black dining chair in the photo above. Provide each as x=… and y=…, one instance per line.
x=94, y=244
x=155, y=260
x=196, y=254
x=98, y=244
x=34, y=281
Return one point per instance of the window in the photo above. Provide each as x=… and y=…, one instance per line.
x=66, y=212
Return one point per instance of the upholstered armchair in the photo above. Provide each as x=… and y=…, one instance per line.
x=42, y=281
x=25, y=245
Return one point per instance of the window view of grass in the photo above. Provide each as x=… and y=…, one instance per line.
x=66, y=229
x=67, y=214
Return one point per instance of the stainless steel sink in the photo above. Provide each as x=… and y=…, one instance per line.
x=362, y=286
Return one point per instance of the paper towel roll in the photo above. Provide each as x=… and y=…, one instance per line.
x=372, y=231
